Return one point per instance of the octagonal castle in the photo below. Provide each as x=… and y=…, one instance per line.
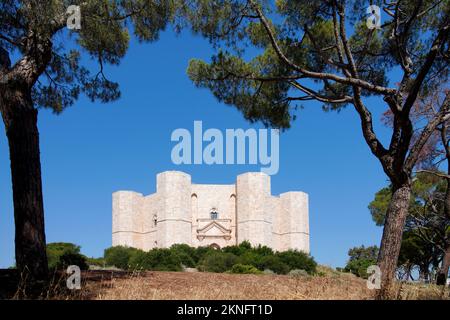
x=211, y=215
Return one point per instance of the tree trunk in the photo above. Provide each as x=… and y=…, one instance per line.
x=409, y=276
x=392, y=238
x=441, y=278
x=424, y=273
x=408, y=272
x=20, y=118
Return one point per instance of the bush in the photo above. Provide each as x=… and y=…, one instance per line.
x=261, y=257
x=72, y=258
x=244, y=269
x=263, y=250
x=136, y=261
x=96, y=261
x=156, y=259
x=273, y=263
x=209, y=259
x=120, y=256
x=298, y=260
x=359, y=267
x=201, y=252
x=56, y=249
x=186, y=254
x=360, y=259
x=217, y=261
x=60, y=255
x=250, y=257
x=240, y=249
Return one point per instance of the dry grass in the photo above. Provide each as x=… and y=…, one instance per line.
x=120, y=285
x=332, y=285
x=211, y=286
x=420, y=291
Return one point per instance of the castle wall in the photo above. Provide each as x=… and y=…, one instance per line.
x=180, y=212
x=295, y=226
x=253, y=221
x=126, y=226
x=174, y=217
x=151, y=207
x=275, y=207
x=204, y=198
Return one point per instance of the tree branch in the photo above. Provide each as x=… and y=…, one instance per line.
x=317, y=75
x=442, y=116
x=431, y=56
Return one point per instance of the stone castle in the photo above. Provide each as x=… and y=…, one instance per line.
x=211, y=215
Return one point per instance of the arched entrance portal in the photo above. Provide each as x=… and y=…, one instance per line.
x=215, y=246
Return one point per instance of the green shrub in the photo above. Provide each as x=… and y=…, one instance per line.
x=201, y=252
x=96, y=261
x=359, y=267
x=217, y=261
x=360, y=258
x=244, y=269
x=298, y=260
x=263, y=250
x=239, y=249
x=72, y=258
x=261, y=257
x=187, y=254
x=250, y=257
x=273, y=263
x=209, y=259
x=245, y=245
x=56, y=249
x=137, y=261
x=236, y=250
x=185, y=259
x=156, y=259
x=119, y=256
x=60, y=255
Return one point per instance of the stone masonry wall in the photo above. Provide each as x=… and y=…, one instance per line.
x=180, y=212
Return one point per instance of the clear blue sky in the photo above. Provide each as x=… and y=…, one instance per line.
x=93, y=149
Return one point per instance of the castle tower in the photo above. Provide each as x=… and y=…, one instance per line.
x=174, y=218
x=253, y=219
x=294, y=221
x=126, y=220
x=219, y=215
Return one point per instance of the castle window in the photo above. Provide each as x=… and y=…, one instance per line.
x=155, y=220
x=214, y=214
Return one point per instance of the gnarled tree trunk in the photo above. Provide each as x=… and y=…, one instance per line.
x=441, y=278
x=20, y=119
x=392, y=238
